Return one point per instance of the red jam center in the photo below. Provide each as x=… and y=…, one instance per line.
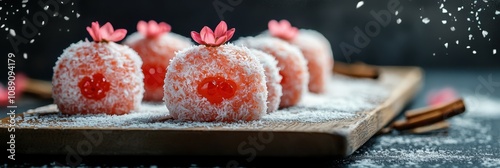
x=95, y=87
x=216, y=89
x=154, y=75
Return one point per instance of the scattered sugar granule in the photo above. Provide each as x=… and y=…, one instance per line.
x=426, y=20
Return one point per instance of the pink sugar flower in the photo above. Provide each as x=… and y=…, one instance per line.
x=152, y=29
x=282, y=29
x=106, y=33
x=207, y=37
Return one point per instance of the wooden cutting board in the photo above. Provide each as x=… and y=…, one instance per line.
x=338, y=138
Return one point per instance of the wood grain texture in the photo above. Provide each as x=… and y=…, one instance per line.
x=332, y=138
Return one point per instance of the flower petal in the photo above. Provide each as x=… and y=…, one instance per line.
x=220, y=40
x=285, y=23
x=106, y=31
x=164, y=27
x=91, y=32
x=97, y=35
x=221, y=29
x=153, y=28
x=142, y=27
x=272, y=24
x=204, y=31
x=117, y=35
x=209, y=38
x=196, y=37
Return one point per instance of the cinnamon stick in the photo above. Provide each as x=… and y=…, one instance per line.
x=458, y=103
x=428, y=116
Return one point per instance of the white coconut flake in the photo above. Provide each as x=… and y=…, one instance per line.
x=445, y=45
x=25, y=56
x=494, y=51
x=398, y=21
x=457, y=42
x=426, y=20
x=452, y=28
x=470, y=36
x=444, y=21
x=467, y=47
x=497, y=12
x=474, y=52
x=444, y=10
x=66, y=18
x=360, y=3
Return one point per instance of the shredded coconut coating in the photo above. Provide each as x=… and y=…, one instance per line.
x=318, y=53
x=192, y=65
x=156, y=52
x=273, y=79
x=120, y=65
x=291, y=62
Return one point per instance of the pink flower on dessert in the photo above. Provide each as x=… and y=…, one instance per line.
x=152, y=29
x=282, y=29
x=209, y=38
x=106, y=33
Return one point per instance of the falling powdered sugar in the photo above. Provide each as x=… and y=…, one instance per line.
x=426, y=20
x=360, y=3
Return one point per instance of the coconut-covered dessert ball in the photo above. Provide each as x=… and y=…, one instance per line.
x=215, y=81
x=99, y=76
x=157, y=46
x=273, y=79
x=291, y=62
x=315, y=48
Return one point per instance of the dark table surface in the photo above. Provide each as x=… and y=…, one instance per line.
x=473, y=139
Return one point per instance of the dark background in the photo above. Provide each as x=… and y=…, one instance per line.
x=410, y=43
